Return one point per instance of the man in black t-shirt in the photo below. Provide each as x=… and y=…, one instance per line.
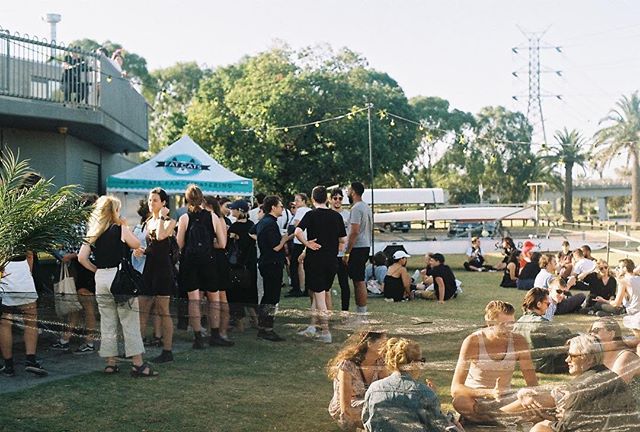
x=325, y=231
x=444, y=282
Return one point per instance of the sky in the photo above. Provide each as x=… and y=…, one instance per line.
x=460, y=50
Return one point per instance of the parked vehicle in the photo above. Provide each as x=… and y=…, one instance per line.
x=475, y=229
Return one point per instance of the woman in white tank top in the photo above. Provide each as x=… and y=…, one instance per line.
x=482, y=380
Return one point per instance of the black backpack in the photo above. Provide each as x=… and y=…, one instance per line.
x=199, y=241
x=234, y=253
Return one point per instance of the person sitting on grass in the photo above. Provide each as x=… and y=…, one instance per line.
x=547, y=264
x=357, y=365
x=375, y=272
x=482, y=379
x=546, y=340
x=595, y=400
x=508, y=249
x=511, y=270
x=400, y=402
x=444, y=281
x=475, y=258
x=529, y=272
x=563, y=301
x=397, y=282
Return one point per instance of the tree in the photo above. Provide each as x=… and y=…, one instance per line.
x=135, y=65
x=621, y=133
x=34, y=216
x=171, y=94
x=568, y=150
x=440, y=126
x=240, y=111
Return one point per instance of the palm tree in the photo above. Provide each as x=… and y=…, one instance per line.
x=622, y=134
x=568, y=150
x=34, y=215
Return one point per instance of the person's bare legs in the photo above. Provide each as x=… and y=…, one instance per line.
x=194, y=310
x=328, y=300
x=87, y=300
x=164, y=315
x=6, y=338
x=214, y=309
x=543, y=426
x=224, y=314
x=361, y=293
x=320, y=311
x=72, y=323
x=30, y=317
x=145, y=303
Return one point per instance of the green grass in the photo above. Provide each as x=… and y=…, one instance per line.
x=256, y=385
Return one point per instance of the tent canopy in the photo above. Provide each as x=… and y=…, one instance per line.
x=176, y=167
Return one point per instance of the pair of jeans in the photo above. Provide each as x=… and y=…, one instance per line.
x=272, y=280
x=111, y=314
x=343, y=280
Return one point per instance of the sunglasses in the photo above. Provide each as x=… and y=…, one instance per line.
x=336, y=197
x=595, y=330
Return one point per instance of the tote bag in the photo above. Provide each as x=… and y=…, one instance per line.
x=66, y=296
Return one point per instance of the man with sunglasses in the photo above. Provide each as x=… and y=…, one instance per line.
x=546, y=340
x=562, y=300
x=595, y=400
x=343, y=277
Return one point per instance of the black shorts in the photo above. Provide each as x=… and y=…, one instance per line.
x=319, y=272
x=15, y=310
x=83, y=277
x=198, y=275
x=357, y=261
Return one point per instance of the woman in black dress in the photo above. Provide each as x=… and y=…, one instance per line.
x=158, y=270
x=243, y=260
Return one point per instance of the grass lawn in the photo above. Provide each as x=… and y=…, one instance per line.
x=257, y=385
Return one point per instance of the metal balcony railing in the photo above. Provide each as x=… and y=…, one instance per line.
x=36, y=69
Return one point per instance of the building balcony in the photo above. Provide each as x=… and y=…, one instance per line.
x=49, y=87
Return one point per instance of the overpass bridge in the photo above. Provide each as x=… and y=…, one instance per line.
x=599, y=190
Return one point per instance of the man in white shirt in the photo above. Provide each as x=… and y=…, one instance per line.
x=343, y=275
x=296, y=270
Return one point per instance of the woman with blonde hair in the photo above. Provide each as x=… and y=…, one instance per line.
x=111, y=240
x=196, y=232
x=400, y=402
x=353, y=369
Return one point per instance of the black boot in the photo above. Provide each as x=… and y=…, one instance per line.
x=198, y=343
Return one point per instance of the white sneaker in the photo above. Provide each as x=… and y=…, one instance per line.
x=325, y=337
x=308, y=332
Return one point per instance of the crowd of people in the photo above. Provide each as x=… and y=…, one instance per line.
x=232, y=258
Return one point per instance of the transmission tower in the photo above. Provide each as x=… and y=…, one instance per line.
x=534, y=71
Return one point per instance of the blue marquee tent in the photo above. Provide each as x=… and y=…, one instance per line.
x=176, y=167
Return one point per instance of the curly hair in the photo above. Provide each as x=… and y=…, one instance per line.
x=400, y=352
x=354, y=350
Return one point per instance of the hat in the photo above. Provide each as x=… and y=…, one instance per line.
x=528, y=246
x=400, y=254
x=239, y=205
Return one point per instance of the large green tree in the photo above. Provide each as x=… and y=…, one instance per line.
x=621, y=134
x=170, y=95
x=240, y=112
x=568, y=150
x=494, y=152
x=440, y=126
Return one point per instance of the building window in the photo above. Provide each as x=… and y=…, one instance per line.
x=91, y=177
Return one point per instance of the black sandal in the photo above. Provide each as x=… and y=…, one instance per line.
x=139, y=371
x=111, y=369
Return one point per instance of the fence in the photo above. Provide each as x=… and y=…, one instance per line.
x=36, y=69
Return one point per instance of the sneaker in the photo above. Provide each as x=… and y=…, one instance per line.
x=198, y=342
x=59, y=346
x=8, y=371
x=389, y=300
x=270, y=335
x=35, y=368
x=220, y=341
x=164, y=357
x=324, y=337
x=152, y=342
x=602, y=314
x=85, y=348
x=308, y=332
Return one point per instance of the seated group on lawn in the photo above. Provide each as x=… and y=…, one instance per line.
x=376, y=384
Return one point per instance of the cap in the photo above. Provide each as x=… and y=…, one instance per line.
x=239, y=205
x=400, y=254
x=527, y=246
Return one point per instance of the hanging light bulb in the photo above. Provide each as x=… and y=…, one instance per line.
x=286, y=129
x=309, y=111
x=393, y=123
x=317, y=124
x=233, y=132
x=109, y=78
